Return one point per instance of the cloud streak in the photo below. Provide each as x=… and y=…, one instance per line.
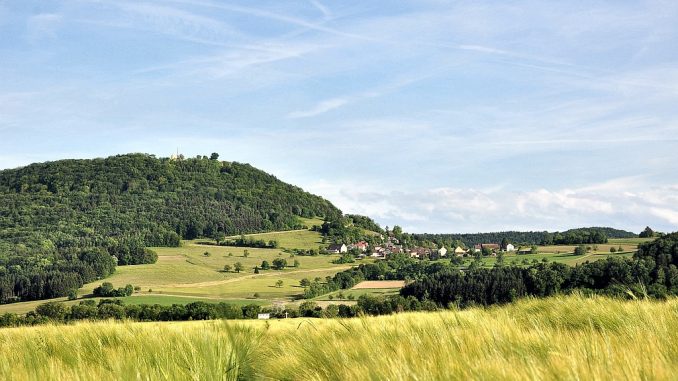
x=439, y=116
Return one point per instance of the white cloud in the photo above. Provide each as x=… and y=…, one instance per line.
x=626, y=203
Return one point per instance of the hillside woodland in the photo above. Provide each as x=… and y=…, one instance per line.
x=66, y=223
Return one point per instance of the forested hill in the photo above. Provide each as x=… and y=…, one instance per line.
x=66, y=223
x=159, y=200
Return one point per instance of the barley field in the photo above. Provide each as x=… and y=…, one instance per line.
x=560, y=338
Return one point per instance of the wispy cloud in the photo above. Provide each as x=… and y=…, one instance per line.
x=455, y=116
x=335, y=103
x=276, y=17
x=43, y=26
x=321, y=108
x=170, y=21
x=322, y=8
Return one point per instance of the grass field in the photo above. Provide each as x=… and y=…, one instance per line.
x=563, y=338
x=374, y=288
x=344, y=296
x=184, y=274
x=377, y=284
x=565, y=253
x=566, y=258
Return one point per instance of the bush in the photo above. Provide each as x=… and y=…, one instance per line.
x=279, y=263
x=580, y=250
x=52, y=310
x=106, y=290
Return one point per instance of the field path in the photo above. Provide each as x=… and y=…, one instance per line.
x=238, y=279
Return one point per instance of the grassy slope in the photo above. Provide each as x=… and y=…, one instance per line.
x=566, y=338
x=184, y=274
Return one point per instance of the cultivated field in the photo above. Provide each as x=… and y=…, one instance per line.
x=564, y=338
x=370, y=284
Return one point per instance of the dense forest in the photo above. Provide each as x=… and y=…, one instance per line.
x=54, y=215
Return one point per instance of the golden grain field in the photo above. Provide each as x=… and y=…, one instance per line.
x=560, y=338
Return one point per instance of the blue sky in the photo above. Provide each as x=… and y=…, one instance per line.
x=437, y=116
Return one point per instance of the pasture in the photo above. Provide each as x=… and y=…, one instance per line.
x=185, y=274
x=377, y=284
x=565, y=253
x=566, y=337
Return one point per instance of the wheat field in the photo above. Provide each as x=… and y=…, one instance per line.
x=560, y=338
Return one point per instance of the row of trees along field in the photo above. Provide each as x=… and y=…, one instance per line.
x=105, y=309
x=653, y=271
x=593, y=235
x=53, y=214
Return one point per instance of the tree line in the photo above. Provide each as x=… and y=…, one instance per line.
x=593, y=235
x=107, y=309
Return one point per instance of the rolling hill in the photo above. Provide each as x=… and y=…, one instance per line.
x=60, y=222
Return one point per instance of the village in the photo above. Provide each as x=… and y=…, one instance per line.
x=393, y=246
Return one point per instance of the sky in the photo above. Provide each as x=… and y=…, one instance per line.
x=438, y=116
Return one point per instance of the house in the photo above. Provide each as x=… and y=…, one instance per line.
x=420, y=252
x=525, y=250
x=510, y=247
x=362, y=246
x=459, y=251
x=489, y=246
x=442, y=251
x=337, y=248
x=263, y=316
x=379, y=252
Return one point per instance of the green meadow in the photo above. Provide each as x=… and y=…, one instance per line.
x=195, y=271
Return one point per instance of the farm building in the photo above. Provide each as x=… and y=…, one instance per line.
x=362, y=246
x=490, y=246
x=337, y=249
x=420, y=252
x=459, y=251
